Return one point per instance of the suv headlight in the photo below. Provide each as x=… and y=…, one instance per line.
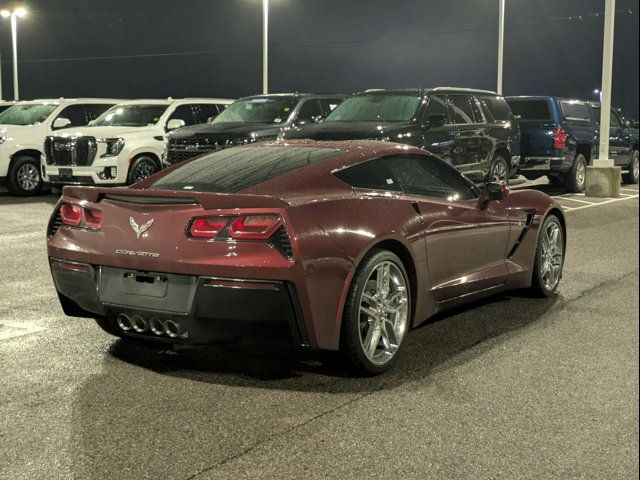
x=114, y=146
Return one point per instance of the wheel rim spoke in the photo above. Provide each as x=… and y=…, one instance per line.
x=551, y=257
x=384, y=312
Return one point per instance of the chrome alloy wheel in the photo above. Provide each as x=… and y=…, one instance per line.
x=581, y=175
x=383, y=313
x=635, y=165
x=551, y=256
x=500, y=172
x=28, y=177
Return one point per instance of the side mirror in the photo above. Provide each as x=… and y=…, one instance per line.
x=436, y=120
x=61, y=122
x=492, y=191
x=175, y=123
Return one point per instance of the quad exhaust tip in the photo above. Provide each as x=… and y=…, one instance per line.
x=124, y=322
x=139, y=324
x=156, y=326
x=173, y=329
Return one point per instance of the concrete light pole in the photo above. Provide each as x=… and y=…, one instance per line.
x=603, y=178
x=500, y=44
x=17, y=12
x=265, y=46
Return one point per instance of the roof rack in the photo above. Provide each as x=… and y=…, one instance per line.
x=449, y=89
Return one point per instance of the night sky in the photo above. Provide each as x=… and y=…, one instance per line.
x=144, y=48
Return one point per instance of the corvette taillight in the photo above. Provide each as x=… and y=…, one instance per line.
x=77, y=216
x=254, y=227
x=71, y=214
x=207, y=227
x=242, y=227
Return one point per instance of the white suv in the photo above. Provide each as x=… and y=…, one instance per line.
x=23, y=128
x=124, y=145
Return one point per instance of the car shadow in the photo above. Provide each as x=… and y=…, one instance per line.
x=471, y=329
x=44, y=197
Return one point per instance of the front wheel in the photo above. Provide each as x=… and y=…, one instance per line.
x=24, y=177
x=632, y=176
x=499, y=171
x=376, y=314
x=141, y=168
x=549, y=260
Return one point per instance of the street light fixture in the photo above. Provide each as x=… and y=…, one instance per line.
x=13, y=15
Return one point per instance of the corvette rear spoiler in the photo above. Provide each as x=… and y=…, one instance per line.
x=159, y=197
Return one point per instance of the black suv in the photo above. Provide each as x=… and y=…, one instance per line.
x=247, y=120
x=473, y=130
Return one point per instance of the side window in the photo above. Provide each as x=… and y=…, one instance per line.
x=477, y=113
x=328, y=104
x=205, y=111
x=437, y=105
x=94, y=110
x=615, y=120
x=373, y=174
x=427, y=176
x=496, y=108
x=183, y=112
x=75, y=114
x=460, y=109
x=309, y=110
x=573, y=110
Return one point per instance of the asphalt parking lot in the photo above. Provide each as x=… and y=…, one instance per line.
x=512, y=387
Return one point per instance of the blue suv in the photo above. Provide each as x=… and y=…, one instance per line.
x=560, y=137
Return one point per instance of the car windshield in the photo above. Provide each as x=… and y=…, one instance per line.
x=258, y=110
x=375, y=108
x=235, y=169
x=138, y=115
x=27, y=114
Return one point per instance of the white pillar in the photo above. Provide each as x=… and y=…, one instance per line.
x=265, y=46
x=14, y=39
x=605, y=91
x=500, y=44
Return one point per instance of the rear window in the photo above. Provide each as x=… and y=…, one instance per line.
x=236, y=169
x=573, y=110
x=498, y=108
x=530, y=109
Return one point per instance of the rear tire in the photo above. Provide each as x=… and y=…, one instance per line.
x=24, y=179
x=574, y=180
x=376, y=314
x=632, y=176
x=549, y=260
x=142, y=167
x=499, y=171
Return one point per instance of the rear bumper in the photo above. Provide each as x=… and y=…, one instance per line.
x=559, y=163
x=211, y=309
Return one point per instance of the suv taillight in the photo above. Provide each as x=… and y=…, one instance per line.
x=559, y=139
x=76, y=216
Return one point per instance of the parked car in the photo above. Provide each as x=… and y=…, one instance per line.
x=560, y=137
x=251, y=119
x=472, y=130
x=125, y=144
x=5, y=105
x=23, y=128
x=338, y=245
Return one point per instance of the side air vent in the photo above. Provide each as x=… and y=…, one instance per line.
x=281, y=240
x=54, y=223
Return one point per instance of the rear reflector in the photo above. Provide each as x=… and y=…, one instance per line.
x=254, y=227
x=207, y=227
x=71, y=214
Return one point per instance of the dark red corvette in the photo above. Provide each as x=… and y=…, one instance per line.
x=347, y=245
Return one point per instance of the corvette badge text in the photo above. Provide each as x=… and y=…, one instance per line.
x=137, y=253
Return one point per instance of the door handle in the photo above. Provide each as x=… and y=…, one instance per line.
x=416, y=207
